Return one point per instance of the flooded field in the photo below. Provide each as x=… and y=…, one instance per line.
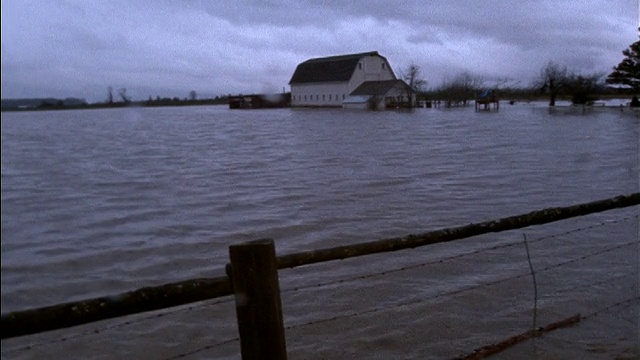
x=100, y=202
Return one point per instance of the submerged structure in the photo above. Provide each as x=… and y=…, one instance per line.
x=487, y=100
x=333, y=81
x=260, y=101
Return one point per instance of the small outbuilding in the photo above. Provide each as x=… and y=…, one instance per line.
x=380, y=95
x=260, y=101
x=486, y=99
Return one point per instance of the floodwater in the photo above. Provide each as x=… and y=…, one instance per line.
x=101, y=202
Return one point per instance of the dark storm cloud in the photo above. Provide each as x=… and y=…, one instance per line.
x=167, y=48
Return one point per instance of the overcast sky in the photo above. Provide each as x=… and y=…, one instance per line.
x=66, y=48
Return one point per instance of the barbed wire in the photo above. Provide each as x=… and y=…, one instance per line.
x=459, y=291
x=593, y=226
x=366, y=276
x=115, y=326
x=208, y=347
x=531, y=335
x=630, y=318
x=610, y=307
x=453, y=257
x=592, y=284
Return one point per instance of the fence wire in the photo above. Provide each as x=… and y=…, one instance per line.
x=462, y=290
x=163, y=313
x=381, y=308
x=454, y=257
x=205, y=348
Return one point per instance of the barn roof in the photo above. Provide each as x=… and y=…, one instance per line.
x=379, y=87
x=328, y=69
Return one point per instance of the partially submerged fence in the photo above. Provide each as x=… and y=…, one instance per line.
x=251, y=284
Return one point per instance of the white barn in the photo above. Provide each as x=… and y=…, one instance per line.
x=328, y=81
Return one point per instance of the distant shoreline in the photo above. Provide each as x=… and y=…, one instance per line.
x=116, y=105
x=57, y=104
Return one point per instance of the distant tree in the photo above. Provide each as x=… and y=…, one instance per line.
x=583, y=88
x=110, y=95
x=460, y=89
x=551, y=80
x=157, y=97
x=628, y=71
x=123, y=95
x=192, y=95
x=414, y=78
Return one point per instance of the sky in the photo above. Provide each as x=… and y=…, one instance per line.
x=167, y=48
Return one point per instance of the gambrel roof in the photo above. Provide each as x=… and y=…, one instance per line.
x=329, y=69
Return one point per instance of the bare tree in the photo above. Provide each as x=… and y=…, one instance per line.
x=460, y=89
x=123, y=95
x=583, y=88
x=414, y=78
x=110, y=95
x=552, y=79
x=192, y=95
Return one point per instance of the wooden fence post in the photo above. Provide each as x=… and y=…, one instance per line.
x=254, y=275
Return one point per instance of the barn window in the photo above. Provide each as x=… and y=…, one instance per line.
x=342, y=96
x=329, y=96
x=322, y=97
x=360, y=66
x=383, y=65
x=317, y=97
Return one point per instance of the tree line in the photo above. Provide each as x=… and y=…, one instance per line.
x=553, y=82
x=113, y=100
x=192, y=99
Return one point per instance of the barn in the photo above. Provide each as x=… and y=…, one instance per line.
x=328, y=81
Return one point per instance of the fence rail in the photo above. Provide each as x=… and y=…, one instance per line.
x=169, y=295
x=412, y=241
x=133, y=302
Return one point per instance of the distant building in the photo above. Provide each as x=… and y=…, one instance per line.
x=260, y=101
x=380, y=95
x=328, y=81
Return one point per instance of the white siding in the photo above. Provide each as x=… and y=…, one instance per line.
x=374, y=68
x=319, y=94
x=332, y=93
x=356, y=106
